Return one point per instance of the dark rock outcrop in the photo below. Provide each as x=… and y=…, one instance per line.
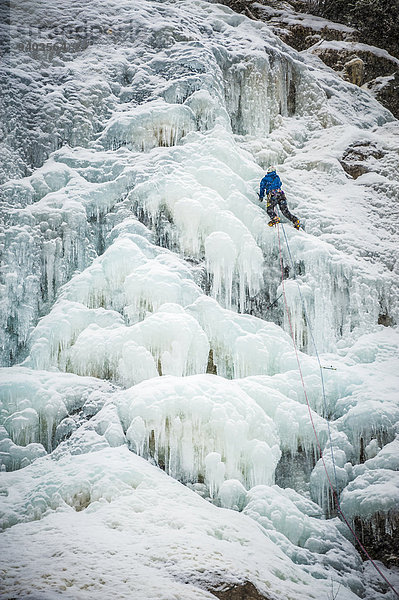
x=376, y=63
x=386, y=90
x=381, y=541
x=376, y=20
x=361, y=158
x=297, y=29
x=240, y=591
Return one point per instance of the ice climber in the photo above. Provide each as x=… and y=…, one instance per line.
x=271, y=183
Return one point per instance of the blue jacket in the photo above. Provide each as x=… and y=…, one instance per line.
x=271, y=181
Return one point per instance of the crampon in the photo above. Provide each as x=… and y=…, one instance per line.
x=274, y=221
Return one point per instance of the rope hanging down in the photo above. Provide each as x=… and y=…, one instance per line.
x=334, y=491
x=307, y=320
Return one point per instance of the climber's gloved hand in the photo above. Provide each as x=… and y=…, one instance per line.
x=260, y=198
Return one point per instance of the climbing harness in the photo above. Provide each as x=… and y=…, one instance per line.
x=334, y=491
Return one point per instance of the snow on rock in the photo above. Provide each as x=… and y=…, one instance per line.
x=387, y=457
x=356, y=47
x=299, y=29
x=368, y=66
x=115, y=505
x=302, y=536
x=374, y=491
x=370, y=499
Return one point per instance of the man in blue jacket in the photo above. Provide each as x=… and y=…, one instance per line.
x=271, y=183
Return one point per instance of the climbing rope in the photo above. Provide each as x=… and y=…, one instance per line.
x=323, y=388
x=334, y=491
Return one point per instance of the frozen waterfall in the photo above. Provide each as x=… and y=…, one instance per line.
x=155, y=437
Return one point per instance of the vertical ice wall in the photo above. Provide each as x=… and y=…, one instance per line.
x=56, y=220
x=141, y=245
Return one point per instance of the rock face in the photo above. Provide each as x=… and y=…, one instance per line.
x=361, y=158
x=242, y=591
x=339, y=55
x=354, y=70
x=300, y=30
x=376, y=20
x=374, y=535
x=340, y=46
x=386, y=90
x=366, y=66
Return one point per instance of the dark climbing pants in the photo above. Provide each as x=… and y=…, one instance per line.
x=278, y=197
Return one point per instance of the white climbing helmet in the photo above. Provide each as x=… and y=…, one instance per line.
x=271, y=169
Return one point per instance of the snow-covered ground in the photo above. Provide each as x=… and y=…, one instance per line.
x=157, y=437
